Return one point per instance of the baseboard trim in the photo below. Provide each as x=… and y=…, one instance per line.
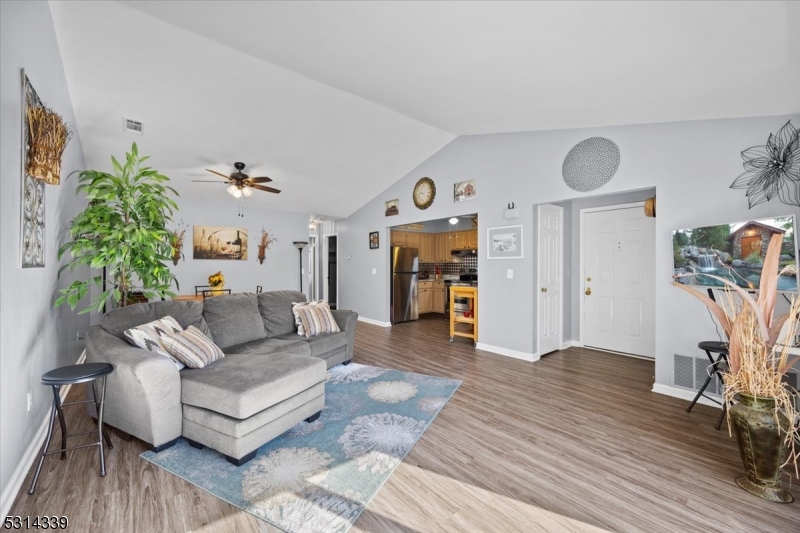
x=530, y=357
x=30, y=455
x=569, y=344
x=375, y=322
x=683, y=394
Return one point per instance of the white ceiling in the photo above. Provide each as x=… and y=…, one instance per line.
x=338, y=100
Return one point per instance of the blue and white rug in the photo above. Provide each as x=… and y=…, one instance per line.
x=319, y=477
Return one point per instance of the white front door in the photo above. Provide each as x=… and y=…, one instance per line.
x=550, y=278
x=619, y=281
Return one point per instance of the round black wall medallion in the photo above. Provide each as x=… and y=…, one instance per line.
x=590, y=164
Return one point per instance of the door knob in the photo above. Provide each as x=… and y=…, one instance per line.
x=544, y=289
x=588, y=291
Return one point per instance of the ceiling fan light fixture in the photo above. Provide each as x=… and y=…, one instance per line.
x=247, y=191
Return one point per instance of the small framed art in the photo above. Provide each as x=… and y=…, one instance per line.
x=373, y=240
x=504, y=242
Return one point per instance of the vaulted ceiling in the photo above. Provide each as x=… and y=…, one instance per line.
x=337, y=100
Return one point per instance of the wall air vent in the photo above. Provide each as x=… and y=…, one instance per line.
x=132, y=126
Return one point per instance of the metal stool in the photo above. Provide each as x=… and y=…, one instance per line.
x=720, y=348
x=69, y=375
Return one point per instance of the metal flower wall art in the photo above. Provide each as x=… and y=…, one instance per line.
x=772, y=170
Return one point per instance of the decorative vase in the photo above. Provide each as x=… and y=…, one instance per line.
x=177, y=253
x=761, y=443
x=216, y=290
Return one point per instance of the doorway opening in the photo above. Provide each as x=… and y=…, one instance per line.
x=608, y=274
x=331, y=287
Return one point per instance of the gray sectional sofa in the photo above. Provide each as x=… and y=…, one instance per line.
x=269, y=380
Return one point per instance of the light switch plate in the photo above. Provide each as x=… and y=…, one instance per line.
x=510, y=273
x=374, y=271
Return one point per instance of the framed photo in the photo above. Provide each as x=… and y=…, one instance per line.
x=392, y=208
x=464, y=190
x=210, y=242
x=504, y=242
x=373, y=240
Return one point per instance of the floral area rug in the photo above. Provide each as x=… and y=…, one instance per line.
x=319, y=477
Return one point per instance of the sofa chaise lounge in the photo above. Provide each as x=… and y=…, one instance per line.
x=269, y=380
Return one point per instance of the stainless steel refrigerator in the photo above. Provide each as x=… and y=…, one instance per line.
x=403, y=292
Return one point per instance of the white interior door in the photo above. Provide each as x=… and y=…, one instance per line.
x=619, y=281
x=550, y=275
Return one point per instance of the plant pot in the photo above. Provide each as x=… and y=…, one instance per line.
x=761, y=444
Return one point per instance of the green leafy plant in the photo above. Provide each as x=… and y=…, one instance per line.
x=124, y=229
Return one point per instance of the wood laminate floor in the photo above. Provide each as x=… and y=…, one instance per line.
x=576, y=442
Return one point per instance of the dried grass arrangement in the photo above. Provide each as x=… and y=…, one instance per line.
x=48, y=136
x=758, y=352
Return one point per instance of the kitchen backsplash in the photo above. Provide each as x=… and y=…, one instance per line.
x=450, y=268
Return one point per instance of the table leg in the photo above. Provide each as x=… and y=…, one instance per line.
x=44, y=448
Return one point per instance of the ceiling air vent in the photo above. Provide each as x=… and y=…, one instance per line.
x=132, y=126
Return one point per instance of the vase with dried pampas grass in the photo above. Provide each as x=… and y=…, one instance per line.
x=761, y=403
x=48, y=136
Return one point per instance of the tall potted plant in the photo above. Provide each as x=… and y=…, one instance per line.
x=761, y=404
x=124, y=230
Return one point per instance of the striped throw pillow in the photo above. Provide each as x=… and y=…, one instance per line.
x=316, y=319
x=192, y=348
x=297, y=322
x=151, y=336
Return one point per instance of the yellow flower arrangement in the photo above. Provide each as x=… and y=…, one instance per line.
x=216, y=280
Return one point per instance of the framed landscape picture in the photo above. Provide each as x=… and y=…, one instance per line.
x=504, y=242
x=464, y=190
x=392, y=208
x=373, y=240
x=210, y=242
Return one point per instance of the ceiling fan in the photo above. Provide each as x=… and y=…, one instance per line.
x=239, y=183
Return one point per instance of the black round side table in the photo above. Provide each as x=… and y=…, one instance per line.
x=70, y=375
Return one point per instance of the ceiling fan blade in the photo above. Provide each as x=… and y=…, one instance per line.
x=218, y=174
x=260, y=180
x=262, y=188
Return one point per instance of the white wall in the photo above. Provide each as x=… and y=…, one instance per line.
x=34, y=338
x=691, y=165
x=281, y=268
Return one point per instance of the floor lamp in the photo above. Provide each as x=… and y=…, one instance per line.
x=300, y=245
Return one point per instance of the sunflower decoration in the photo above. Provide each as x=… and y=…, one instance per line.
x=773, y=169
x=216, y=280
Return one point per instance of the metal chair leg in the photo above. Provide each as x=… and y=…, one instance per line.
x=44, y=448
x=722, y=415
x=699, y=393
x=100, y=429
x=97, y=411
x=61, y=420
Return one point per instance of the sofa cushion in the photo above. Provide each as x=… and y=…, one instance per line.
x=271, y=345
x=322, y=345
x=233, y=319
x=185, y=313
x=192, y=348
x=246, y=384
x=276, y=311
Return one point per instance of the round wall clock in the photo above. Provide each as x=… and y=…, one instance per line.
x=424, y=193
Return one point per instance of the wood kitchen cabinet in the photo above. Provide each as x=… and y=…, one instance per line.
x=472, y=239
x=441, y=254
x=425, y=296
x=398, y=238
x=438, y=297
x=426, y=248
x=459, y=240
x=412, y=240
